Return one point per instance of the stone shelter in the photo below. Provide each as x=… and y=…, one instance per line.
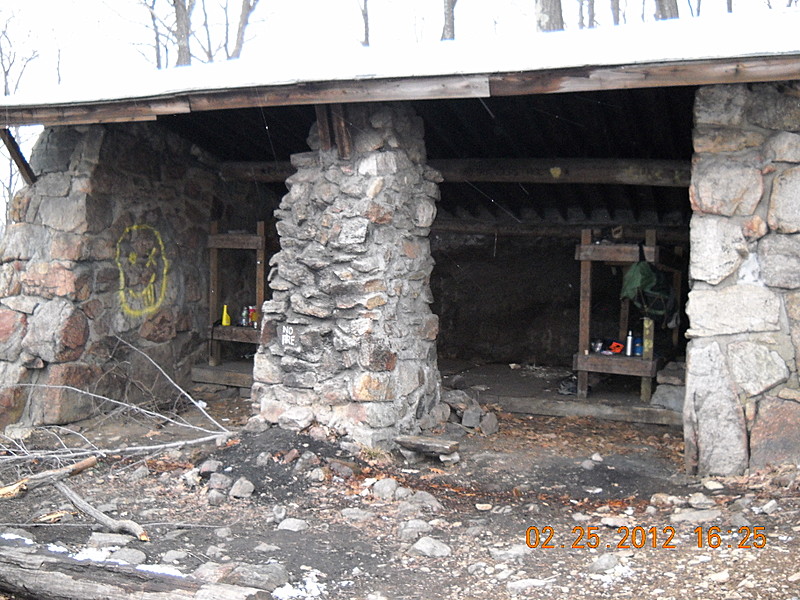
x=406, y=218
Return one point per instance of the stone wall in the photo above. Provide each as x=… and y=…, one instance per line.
x=108, y=242
x=348, y=340
x=743, y=405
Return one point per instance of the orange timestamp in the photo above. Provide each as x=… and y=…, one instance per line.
x=627, y=538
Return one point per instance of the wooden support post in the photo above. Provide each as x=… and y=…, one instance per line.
x=341, y=132
x=261, y=260
x=16, y=155
x=585, y=315
x=214, y=350
x=323, y=127
x=647, y=354
x=677, y=279
x=624, y=316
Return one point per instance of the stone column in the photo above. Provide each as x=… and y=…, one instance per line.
x=741, y=406
x=349, y=340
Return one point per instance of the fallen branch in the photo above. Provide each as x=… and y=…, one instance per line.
x=45, y=478
x=113, y=525
x=183, y=392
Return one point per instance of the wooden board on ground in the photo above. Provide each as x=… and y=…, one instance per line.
x=234, y=374
x=566, y=408
x=427, y=445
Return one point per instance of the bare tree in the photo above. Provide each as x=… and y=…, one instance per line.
x=549, y=16
x=248, y=6
x=615, y=11
x=364, y=6
x=589, y=21
x=668, y=9
x=173, y=25
x=183, y=30
x=449, y=29
x=13, y=63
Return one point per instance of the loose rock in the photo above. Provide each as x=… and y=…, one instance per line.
x=427, y=546
x=292, y=524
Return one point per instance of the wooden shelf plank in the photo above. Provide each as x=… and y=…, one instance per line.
x=618, y=253
x=566, y=408
x=236, y=241
x=233, y=333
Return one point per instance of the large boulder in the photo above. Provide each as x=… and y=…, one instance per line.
x=715, y=431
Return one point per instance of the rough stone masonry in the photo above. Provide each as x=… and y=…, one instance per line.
x=742, y=404
x=104, y=244
x=349, y=340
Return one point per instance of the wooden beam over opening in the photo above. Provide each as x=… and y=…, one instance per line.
x=657, y=173
x=16, y=155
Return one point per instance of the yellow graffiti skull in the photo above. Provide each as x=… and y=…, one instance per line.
x=142, y=265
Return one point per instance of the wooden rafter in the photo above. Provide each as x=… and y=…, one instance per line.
x=16, y=155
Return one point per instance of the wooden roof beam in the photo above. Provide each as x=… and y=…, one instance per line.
x=16, y=155
x=657, y=173
x=578, y=79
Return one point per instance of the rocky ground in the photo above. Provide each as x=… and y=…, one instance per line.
x=305, y=518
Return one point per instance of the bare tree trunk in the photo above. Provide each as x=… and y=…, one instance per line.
x=156, y=35
x=449, y=29
x=549, y=16
x=589, y=21
x=206, y=45
x=668, y=9
x=365, y=18
x=730, y=5
x=183, y=30
x=248, y=6
x=615, y=11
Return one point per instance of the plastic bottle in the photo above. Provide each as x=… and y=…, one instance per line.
x=629, y=344
x=226, y=318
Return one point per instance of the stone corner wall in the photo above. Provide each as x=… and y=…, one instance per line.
x=742, y=406
x=349, y=340
x=104, y=244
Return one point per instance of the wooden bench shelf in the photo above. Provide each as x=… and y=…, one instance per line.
x=585, y=361
x=616, y=364
x=233, y=241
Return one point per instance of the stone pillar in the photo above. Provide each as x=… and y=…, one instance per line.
x=742, y=397
x=349, y=340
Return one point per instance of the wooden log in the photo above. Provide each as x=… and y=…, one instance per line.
x=426, y=444
x=36, y=573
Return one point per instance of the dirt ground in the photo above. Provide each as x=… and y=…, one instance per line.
x=615, y=515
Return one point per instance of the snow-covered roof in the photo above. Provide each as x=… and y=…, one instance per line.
x=732, y=41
